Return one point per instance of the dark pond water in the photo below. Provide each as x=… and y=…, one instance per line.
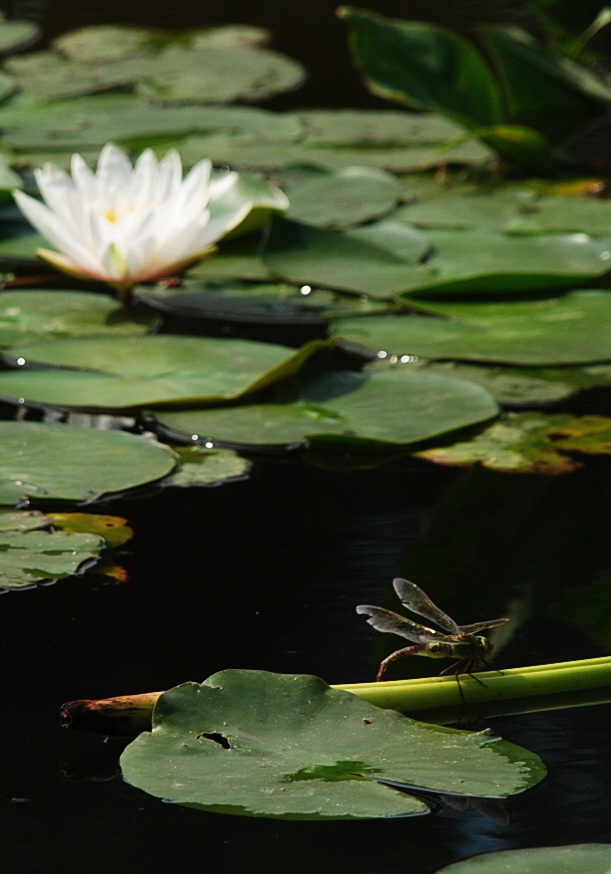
x=265, y=574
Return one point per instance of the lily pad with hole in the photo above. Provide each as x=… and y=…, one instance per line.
x=252, y=743
x=564, y=859
x=58, y=462
x=570, y=329
x=380, y=259
x=112, y=374
x=529, y=443
x=28, y=316
x=384, y=405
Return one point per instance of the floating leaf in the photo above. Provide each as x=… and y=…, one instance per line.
x=382, y=405
x=491, y=263
x=529, y=443
x=571, y=329
x=103, y=42
x=162, y=369
x=23, y=520
x=29, y=556
x=515, y=386
x=375, y=128
x=16, y=35
x=253, y=743
x=113, y=529
x=28, y=316
x=59, y=462
x=379, y=259
x=263, y=303
x=218, y=75
x=208, y=467
x=567, y=859
x=347, y=197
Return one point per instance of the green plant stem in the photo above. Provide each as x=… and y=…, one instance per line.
x=442, y=699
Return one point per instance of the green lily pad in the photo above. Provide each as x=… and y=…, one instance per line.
x=18, y=245
x=16, y=35
x=521, y=386
x=236, y=259
x=571, y=329
x=246, y=152
x=262, y=303
x=162, y=369
x=217, y=75
x=208, y=467
x=375, y=128
x=529, y=443
x=389, y=405
x=23, y=520
x=567, y=859
x=36, y=126
x=28, y=558
x=28, y=316
x=380, y=259
x=49, y=76
x=253, y=743
x=60, y=462
x=101, y=43
x=347, y=197
x=495, y=263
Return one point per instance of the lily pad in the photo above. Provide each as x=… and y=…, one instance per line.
x=346, y=197
x=23, y=520
x=218, y=75
x=253, y=743
x=380, y=259
x=495, y=263
x=114, y=530
x=263, y=303
x=387, y=405
x=529, y=443
x=28, y=316
x=208, y=467
x=162, y=369
x=103, y=42
x=60, y=462
x=571, y=329
x=28, y=558
x=374, y=128
x=17, y=34
x=567, y=859
x=36, y=126
x=515, y=386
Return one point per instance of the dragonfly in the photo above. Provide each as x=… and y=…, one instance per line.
x=460, y=642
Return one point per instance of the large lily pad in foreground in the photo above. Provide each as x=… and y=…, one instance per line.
x=568, y=859
x=115, y=374
x=391, y=405
x=259, y=744
x=49, y=462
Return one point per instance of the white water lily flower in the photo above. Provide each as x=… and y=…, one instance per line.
x=124, y=224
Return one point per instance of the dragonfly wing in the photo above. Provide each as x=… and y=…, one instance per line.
x=481, y=626
x=412, y=597
x=386, y=620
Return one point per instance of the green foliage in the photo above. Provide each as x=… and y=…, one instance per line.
x=567, y=859
x=525, y=101
x=384, y=405
x=253, y=743
x=107, y=373
x=58, y=462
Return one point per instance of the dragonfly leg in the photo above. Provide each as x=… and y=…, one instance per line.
x=399, y=654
